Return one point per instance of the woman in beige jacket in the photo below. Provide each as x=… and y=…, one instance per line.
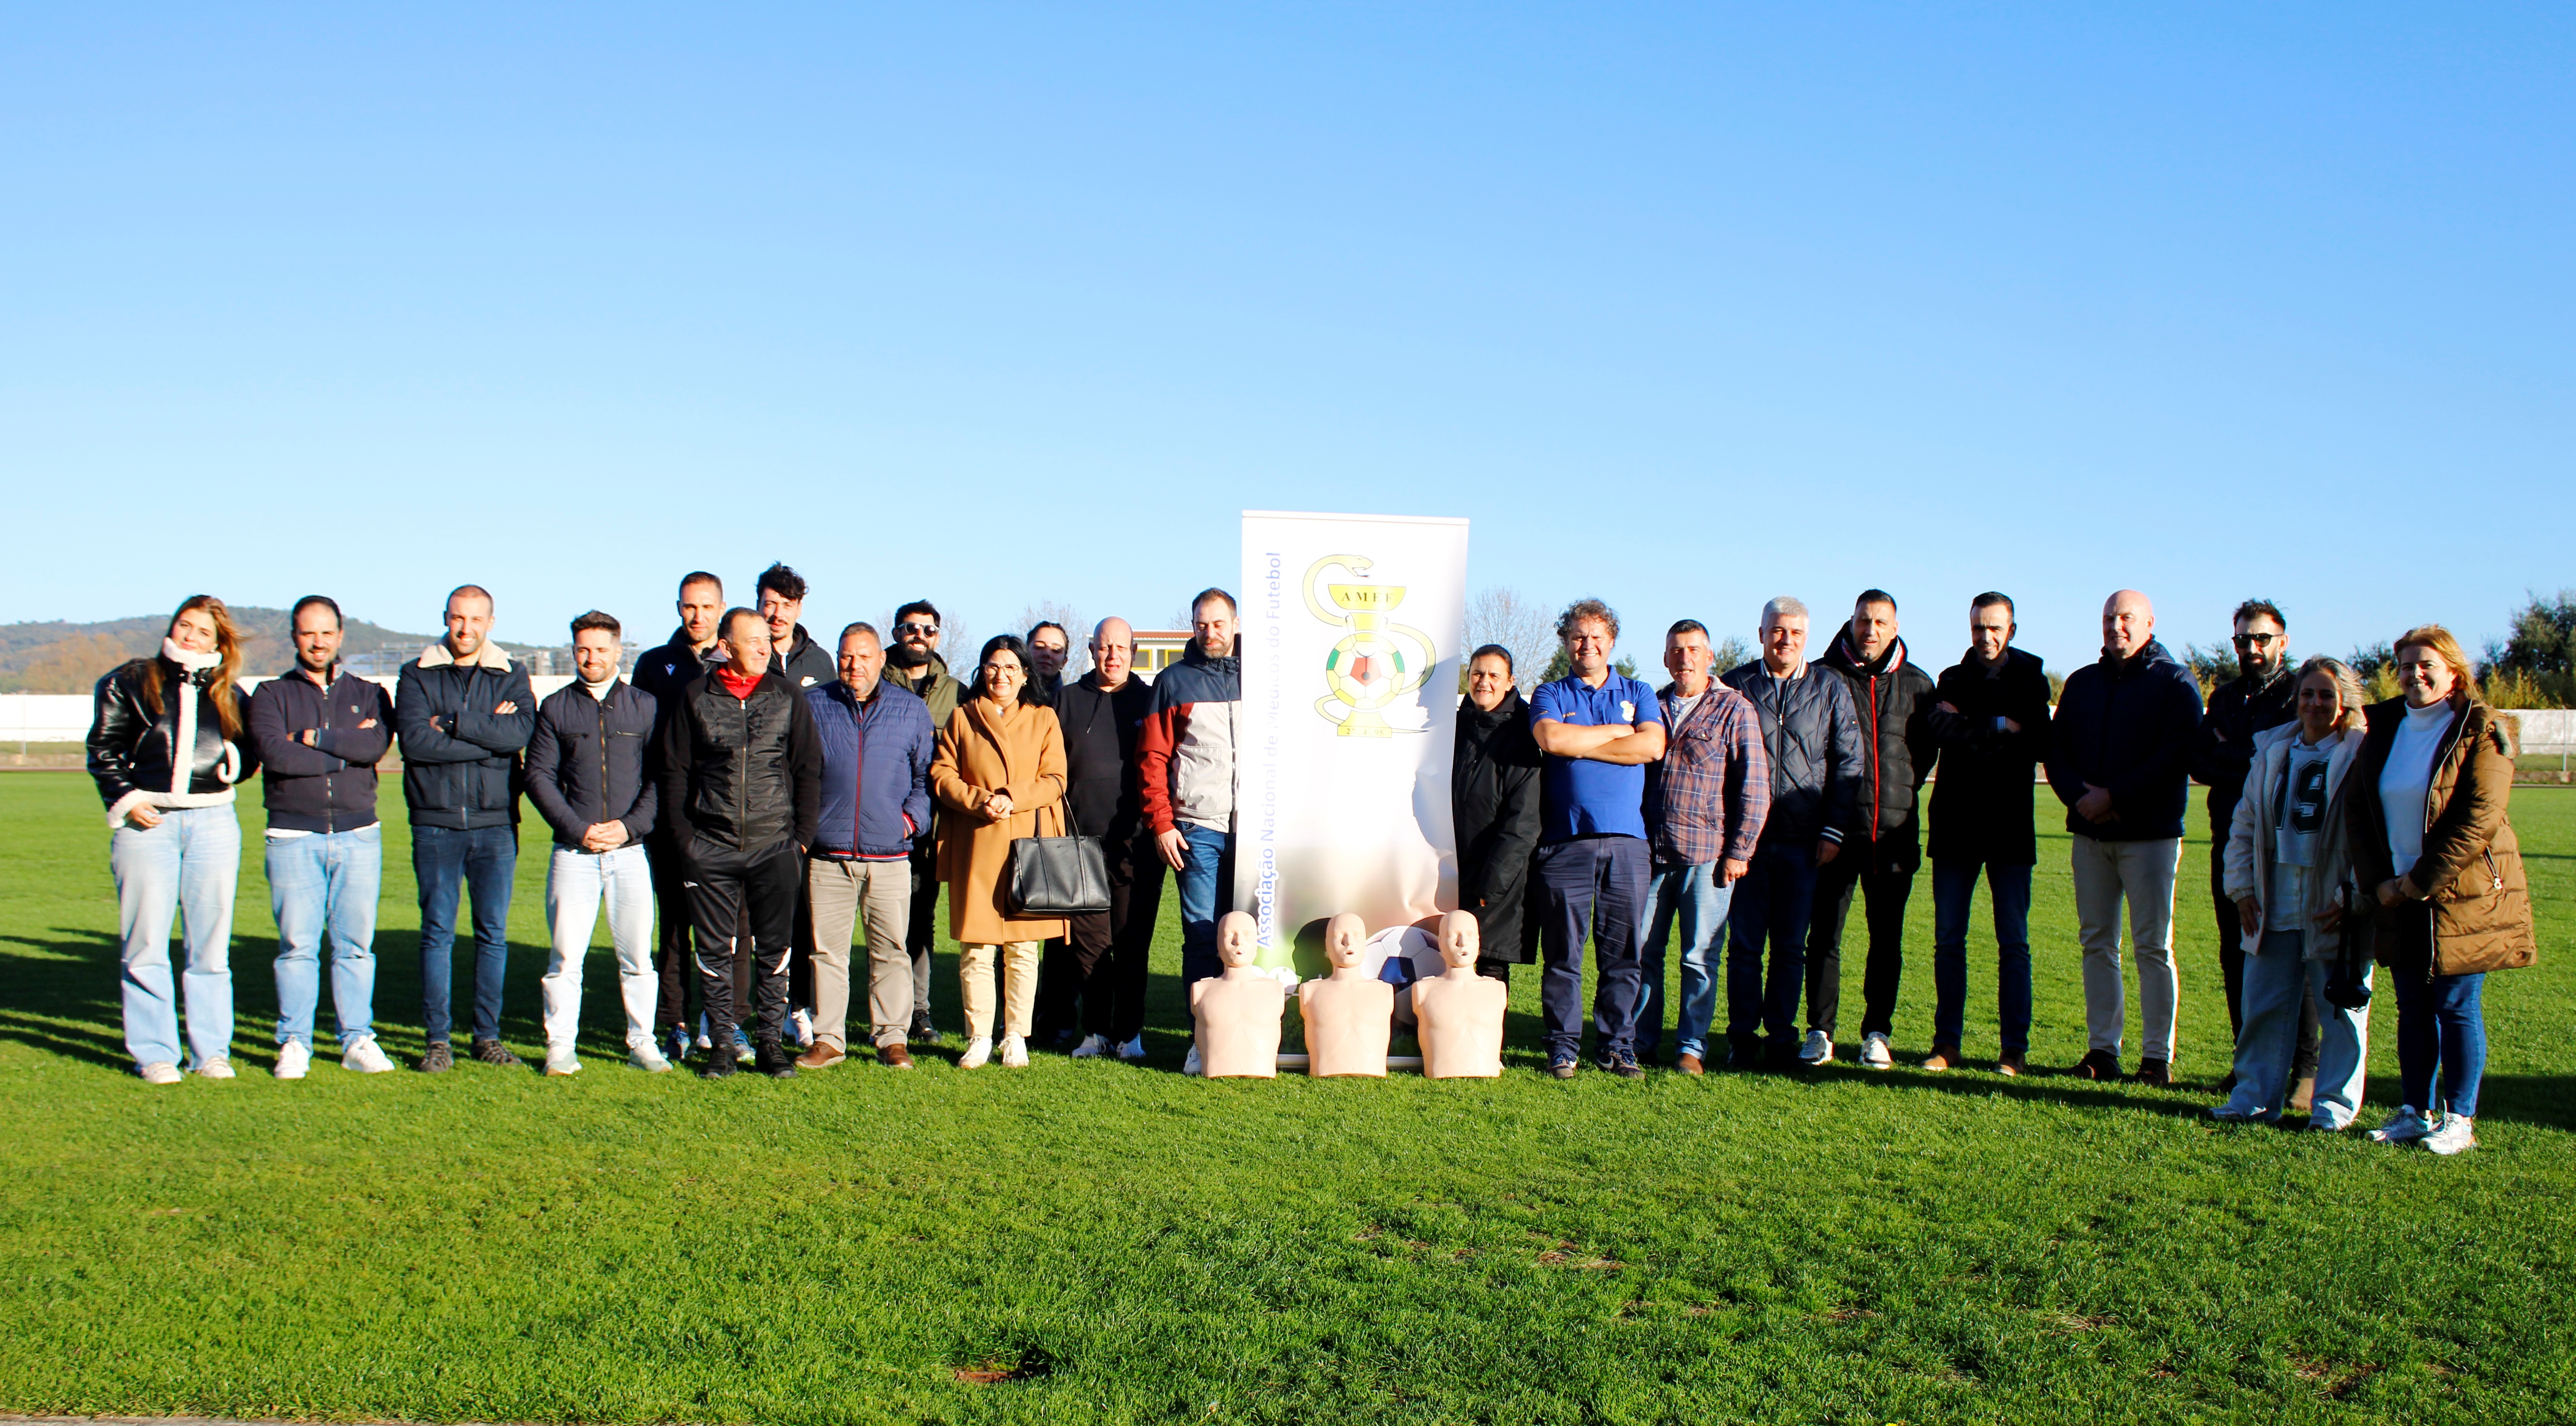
x=999, y=776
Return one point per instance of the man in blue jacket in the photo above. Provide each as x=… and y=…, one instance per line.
x=2120, y=758
x=877, y=745
x=464, y=711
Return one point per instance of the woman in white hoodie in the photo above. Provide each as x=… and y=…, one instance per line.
x=2287, y=871
x=166, y=749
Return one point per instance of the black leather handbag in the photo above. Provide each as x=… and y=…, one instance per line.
x=1058, y=876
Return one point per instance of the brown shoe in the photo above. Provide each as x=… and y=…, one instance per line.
x=1942, y=1057
x=822, y=1056
x=2303, y=1095
x=1688, y=1064
x=2011, y=1066
x=894, y=1056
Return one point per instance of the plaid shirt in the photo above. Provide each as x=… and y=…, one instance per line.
x=1707, y=799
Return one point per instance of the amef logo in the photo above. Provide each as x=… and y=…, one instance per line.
x=1368, y=670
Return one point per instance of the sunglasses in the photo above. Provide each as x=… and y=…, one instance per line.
x=909, y=627
x=2255, y=641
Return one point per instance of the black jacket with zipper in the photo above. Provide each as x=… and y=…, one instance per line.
x=588, y=762
x=2127, y=725
x=803, y=662
x=741, y=773
x=1494, y=803
x=461, y=755
x=1811, y=729
x=1100, y=733
x=1894, y=699
x=330, y=786
x=130, y=741
x=1981, y=805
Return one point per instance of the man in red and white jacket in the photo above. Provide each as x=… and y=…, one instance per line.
x=1186, y=774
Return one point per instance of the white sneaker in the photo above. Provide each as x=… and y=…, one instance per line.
x=159, y=1072
x=1192, y=1065
x=706, y=1041
x=804, y=1022
x=2457, y=1133
x=742, y=1054
x=1873, y=1051
x=2403, y=1127
x=648, y=1059
x=1015, y=1052
x=560, y=1063
x=1092, y=1047
x=1133, y=1052
x=293, y=1059
x=978, y=1051
x=1817, y=1049
x=215, y=1069
x=362, y=1056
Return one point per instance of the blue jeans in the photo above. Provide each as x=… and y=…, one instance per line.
x=447, y=860
x=318, y=885
x=1954, y=894
x=1698, y=897
x=2440, y=1025
x=1595, y=888
x=1206, y=880
x=2278, y=981
x=185, y=869
x=1772, y=906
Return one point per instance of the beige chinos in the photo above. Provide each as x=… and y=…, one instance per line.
x=843, y=891
x=2141, y=873
x=1019, y=986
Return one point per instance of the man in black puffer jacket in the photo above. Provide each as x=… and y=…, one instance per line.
x=742, y=789
x=464, y=710
x=1494, y=807
x=2119, y=757
x=692, y=650
x=1885, y=848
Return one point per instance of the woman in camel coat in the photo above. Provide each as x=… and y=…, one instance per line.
x=999, y=776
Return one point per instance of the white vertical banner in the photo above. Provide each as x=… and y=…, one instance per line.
x=1351, y=625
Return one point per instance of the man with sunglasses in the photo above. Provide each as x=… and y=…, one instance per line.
x=2262, y=696
x=913, y=664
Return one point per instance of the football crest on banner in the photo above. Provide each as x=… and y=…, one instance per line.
x=1372, y=667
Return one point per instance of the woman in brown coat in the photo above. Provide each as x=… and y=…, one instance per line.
x=999, y=776
x=2436, y=861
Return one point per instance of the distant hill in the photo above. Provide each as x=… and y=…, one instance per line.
x=59, y=657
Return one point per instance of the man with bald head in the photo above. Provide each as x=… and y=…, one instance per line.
x=2120, y=758
x=1098, y=970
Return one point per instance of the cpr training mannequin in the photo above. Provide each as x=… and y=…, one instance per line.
x=1238, y=1012
x=1348, y=1013
x=1461, y=1012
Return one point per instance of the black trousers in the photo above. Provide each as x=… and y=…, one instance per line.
x=2231, y=969
x=1884, y=876
x=1095, y=976
x=725, y=887
x=922, y=933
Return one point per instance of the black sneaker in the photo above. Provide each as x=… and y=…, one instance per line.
x=716, y=1067
x=2155, y=1072
x=493, y=1052
x=1626, y=1067
x=1563, y=1067
x=772, y=1059
x=1744, y=1052
x=436, y=1060
x=2097, y=1064
x=923, y=1032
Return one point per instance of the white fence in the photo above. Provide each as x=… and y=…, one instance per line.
x=64, y=717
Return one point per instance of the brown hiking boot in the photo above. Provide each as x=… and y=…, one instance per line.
x=1942, y=1057
x=822, y=1056
x=894, y=1056
x=2012, y=1065
x=1688, y=1063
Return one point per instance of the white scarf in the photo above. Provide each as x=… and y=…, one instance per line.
x=183, y=743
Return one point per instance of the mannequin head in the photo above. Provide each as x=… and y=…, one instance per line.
x=1344, y=937
x=1458, y=939
x=1237, y=937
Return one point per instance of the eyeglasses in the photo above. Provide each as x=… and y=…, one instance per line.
x=909, y=627
x=2255, y=641
x=997, y=670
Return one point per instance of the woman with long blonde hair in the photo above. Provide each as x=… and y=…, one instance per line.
x=166, y=749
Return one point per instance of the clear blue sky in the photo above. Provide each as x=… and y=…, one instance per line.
x=1683, y=307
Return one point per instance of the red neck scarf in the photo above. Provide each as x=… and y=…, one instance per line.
x=739, y=685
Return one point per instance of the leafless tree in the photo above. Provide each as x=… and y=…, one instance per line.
x=1512, y=619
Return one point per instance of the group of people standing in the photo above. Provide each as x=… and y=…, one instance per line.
x=1748, y=809
x=763, y=800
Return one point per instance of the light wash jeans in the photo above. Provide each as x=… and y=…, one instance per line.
x=186, y=869
x=1698, y=897
x=323, y=885
x=2142, y=874
x=2277, y=978
x=577, y=883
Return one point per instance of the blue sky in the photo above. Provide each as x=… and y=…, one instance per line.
x=1682, y=307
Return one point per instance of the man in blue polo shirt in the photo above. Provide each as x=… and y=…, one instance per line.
x=1598, y=729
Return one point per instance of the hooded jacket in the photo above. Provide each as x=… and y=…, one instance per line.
x=172, y=756
x=1101, y=734
x=2253, y=841
x=590, y=761
x=1981, y=804
x=1185, y=756
x=663, y=672
x=2225, y=751
x=330, y=786
x=1494, y=806
x=2471, y=866
x=2129, y=725
x=875, y=773
x=1811, y=733
x=743, y=774
x=1894, y=700
x=804, y=663
x=461, y=758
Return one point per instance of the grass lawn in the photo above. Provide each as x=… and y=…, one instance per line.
x=1119, y=1243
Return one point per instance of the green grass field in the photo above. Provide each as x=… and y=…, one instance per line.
x=1090, y=1241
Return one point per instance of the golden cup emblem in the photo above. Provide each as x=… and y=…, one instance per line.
x=1369, y=669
